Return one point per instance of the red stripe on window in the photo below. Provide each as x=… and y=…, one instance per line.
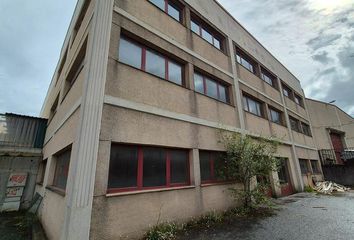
x=166, y=69
x=143, y=59
x=140, y=167
x=168, y=168
x=204, y=85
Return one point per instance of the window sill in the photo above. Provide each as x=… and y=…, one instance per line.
x=214, y=99
x=217, y=184
x=160, y=78
x=40, y=184
x=220, y=50
x=255, y=115
x=56, y=190
x=279, y=124
x=147, y=191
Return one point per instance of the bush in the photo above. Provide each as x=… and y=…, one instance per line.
x=308, y=189
x=164, y=231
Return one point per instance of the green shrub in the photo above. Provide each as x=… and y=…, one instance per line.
x=308, y=189
x=165, y=231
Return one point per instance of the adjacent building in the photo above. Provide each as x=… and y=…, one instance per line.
x=21, y=142
x=135, y=105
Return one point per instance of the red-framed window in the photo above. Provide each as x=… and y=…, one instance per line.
x=145, y=59
x=294, y=124
x=170, y=8
x=305, y=129
x=244, y=60
x=211, y=88
x=298, y=100
x=253, y=106
x=207, y=33
x=62, y=162
x=275, y=116
x=268, y=77
x=134, y=168
x=212, y=166
x=287, y=92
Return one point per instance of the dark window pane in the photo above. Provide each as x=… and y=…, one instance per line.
x=294, y=124
x=314, y=165
x=254, y=107
x=175, y=73
x=222, y=93
x=154, y=173
x=179, y=166
x=130, y=53
x=303, y=166
x=219, y=165
x=159, y=3
x=198, y=83
x=283, y=173
x=174, y=12
x=204, y=166
x=195, y=27
x=211, y=88
x=207, y=36
x=62, y=169
x=155, y=64
x=123, y=167
x=275, y=116
x=217, y=43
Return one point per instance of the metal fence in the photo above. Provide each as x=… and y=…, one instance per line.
x=22, y=131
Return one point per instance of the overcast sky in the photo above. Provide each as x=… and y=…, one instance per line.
x=314, y=39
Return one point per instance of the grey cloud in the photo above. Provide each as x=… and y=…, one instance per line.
x=323, y=40
x=322, y=57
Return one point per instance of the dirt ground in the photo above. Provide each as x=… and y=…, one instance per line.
x=300, y=216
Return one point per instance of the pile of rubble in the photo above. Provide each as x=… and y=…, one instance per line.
x=328, y=187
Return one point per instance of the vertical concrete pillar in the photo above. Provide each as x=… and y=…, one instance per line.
x=85, y=149
x=237, y=93
x=295, y=170
x=196, y=179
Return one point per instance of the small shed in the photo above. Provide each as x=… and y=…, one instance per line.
x=21, y=143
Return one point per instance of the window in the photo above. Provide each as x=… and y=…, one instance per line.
x=80, y=18
x=62, y=161
x=61, y=66
x=304, y=166
x=294, y=123
x=275, y=116
x=54, y=108
x=283, y=173
x=252, y=106
x=76, y=68
x=206, y=33
x=168, y=7
x=245, y=61
x=211, y=88
x=267, y=77
x=314, y=166
x=140, y=167
x=305, y=129
x=41, y=171
x=212, y=166
x=298, y=100
x=287, y=92
x=150, y=61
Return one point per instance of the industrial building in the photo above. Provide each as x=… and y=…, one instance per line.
x=134, y=109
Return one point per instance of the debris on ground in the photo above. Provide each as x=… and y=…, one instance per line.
x=327, y=187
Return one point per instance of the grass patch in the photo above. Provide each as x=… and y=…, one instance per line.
x=308, y=189
x=169, y=231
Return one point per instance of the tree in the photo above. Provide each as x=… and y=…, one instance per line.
x=246, y=158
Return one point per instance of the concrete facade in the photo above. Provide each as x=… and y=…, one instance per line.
x=111, y=102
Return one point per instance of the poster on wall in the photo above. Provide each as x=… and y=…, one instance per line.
x=15, y=186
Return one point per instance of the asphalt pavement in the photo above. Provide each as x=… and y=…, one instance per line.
x=304, y=216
